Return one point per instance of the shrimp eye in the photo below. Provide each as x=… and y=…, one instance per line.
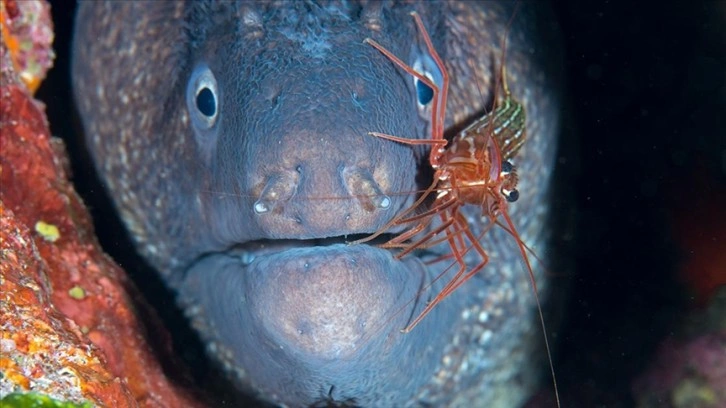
x=512, y=195
x=203, y=98
x=424, y=92
x=507, y=167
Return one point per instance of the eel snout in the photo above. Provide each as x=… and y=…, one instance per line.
x=322, y=189
x=337, y=306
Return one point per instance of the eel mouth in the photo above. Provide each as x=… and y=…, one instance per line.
x=322, y=296
x=292, y=317
x=249, y=251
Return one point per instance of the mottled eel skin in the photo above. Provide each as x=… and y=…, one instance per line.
x=215, y=126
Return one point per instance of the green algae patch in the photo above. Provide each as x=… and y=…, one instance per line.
x=49, y=232
x=77, y=293
x=36, y=400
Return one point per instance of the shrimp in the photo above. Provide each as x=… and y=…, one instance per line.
x=474, y=169
x=467, y=171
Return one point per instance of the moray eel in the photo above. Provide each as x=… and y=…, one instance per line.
x=232, y=137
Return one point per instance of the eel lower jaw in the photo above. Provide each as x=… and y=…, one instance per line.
x=300, y=316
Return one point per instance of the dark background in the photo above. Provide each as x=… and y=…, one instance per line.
x=646, y=85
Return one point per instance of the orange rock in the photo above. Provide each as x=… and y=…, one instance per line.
x=57, y=284
x=27, y=33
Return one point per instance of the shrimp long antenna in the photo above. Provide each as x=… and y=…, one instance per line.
x=503, y=66
x=523, y=252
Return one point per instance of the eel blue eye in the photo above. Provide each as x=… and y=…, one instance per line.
x=203, y=98
x=424, y=93
x=427, y=67
x=207, y=102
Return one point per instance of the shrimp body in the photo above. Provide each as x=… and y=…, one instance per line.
x=474, y=165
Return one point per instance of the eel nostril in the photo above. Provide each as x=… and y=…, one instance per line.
x=261, y=207
x=279, y=188
x=361, y=184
